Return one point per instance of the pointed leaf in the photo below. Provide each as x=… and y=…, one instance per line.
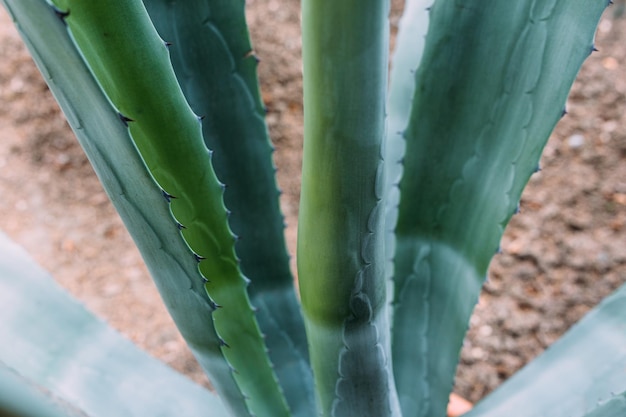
x=77, y=359
x=586, y=366
x=406, y=59
x=341, y=226
x=216, y=68
x=492, y=85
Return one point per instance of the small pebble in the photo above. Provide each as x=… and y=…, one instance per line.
x=576, y=141
x=485, y=330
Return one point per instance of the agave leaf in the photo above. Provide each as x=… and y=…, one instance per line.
x=491, y=87
x=405, y=61
x=79, y=363
x=132, y=65
x=341, y=226
x=20, y=397
x=586, y=366
x=615, y=407
x=216, y=68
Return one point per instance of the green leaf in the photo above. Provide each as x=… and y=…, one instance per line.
x=585, y=366
x=341, y=226
x=131, y=63
x=52, y=342
x=216, y=68
x=406, y=59
x=492, y=85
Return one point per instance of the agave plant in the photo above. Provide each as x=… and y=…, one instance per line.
x=406, y=191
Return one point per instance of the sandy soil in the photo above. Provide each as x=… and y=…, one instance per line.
x=561, y=255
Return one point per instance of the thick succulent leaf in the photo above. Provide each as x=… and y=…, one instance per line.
x=492, y=84
x=586, y=366
x=77, y=361
x=132, y=190
x=20, y=397
x=341, y=226
x=132, y=65
x=407, y=55
x=615, y=407
x=213, y=60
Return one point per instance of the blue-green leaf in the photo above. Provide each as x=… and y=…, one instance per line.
x=586, y=366
x=492, y=84
x=216, y=68
x=341, y=226
x=53, y=342
x=406, y=59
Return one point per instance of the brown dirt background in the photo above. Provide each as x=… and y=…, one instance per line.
x=561, y=255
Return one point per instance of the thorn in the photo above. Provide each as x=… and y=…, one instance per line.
x=124, y=119
x=564, y=113
x=537, y=168
x=180, y=226
x=518, y=209
x=204, y=279
x=60, y=13
x=593, y=49
x=198, y=258
x=167, y=44
x=223, y=343
x=251, y=54
x=499, y=250
x=168, y=197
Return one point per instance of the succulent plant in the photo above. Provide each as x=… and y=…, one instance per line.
x=406, y=191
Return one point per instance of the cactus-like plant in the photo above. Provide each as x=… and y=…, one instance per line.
x=406, y=191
